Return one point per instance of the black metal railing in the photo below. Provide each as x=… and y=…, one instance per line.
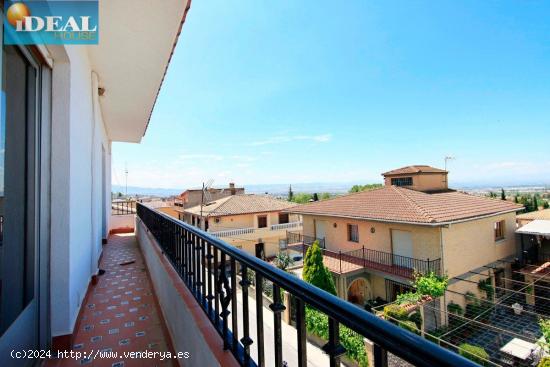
x=344, y=262
x=296, y=238
x=395, y=264
x=123, y=207
x=210, y=267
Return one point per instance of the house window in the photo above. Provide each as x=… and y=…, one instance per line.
x=499, y=230
x=283, y=218
x=402, y=181
x=353, y=233
x=262, y=221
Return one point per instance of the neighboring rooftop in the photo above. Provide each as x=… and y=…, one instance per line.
x=398, y=204
x=420, y=168
x=241, y=204
x=539, y=214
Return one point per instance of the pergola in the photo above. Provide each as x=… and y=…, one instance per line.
x=506, y=326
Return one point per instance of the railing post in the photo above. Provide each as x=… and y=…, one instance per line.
x=340, y=256
x=277, y=307
x=333, y=347
x=380, y=356
x=364, y=260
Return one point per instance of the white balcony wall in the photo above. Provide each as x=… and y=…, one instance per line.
x=80, y=194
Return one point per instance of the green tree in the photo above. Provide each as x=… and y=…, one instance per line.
x=315, y=197
x=315, y=272
x=545, y=204
x=502, y=194
x=359, y=188
x=325, y=196
x=302, y=198
x=290, y=193
x=535, y=204
x=516, y=199
x=283, y=261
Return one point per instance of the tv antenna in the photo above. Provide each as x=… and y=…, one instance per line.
x=206, y=196
x=448, y=158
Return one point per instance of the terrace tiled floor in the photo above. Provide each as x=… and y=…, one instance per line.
x=120, y=313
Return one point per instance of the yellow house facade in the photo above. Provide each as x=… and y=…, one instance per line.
x=245, y=221
x=375, y=240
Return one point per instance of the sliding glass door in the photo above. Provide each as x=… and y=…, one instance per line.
x=20, y=271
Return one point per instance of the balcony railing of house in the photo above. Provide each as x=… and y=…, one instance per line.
x=276, y=227
x=123, y=207
x=209, y=267
x=241, y=231
x=378, y=260
x=296, y=238
x=233, y=232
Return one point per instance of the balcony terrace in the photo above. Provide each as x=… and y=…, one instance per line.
x=364, y=258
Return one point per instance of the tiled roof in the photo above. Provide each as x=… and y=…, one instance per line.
x=398, y=204
x=414, y=169
x=540, y=214
x=241, y=204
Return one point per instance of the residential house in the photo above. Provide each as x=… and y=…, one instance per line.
x=523, y=219
x=375, y=240
x=193, y=197
x=246, y=220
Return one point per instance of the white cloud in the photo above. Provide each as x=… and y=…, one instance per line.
x=323, y=138
x=215, y=157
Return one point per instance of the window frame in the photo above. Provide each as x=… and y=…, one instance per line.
x=499, y=228
x=402, y=181
x=262, y=217
x=284, y=215
x=351, y=237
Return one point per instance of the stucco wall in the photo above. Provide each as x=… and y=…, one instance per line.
x=78, y=217
x=423, y=182
x=426, y=240
x=187, y=333
x=471, y=244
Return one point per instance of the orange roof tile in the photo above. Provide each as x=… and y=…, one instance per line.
x=398, y=204
x=414, y=169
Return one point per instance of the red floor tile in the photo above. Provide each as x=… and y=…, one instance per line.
x=121, y=314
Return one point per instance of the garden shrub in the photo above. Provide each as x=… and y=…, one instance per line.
x=408, y=297
x=486, y=286
x=410, y=326
x=473, y=353
x=416, y=317
x=455, y=308
x=395, y=312
x=317, y=324
x=544, y=325
x=315, y=272
x=545, y=362
x=431, y=284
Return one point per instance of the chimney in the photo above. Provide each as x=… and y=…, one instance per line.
x=232, y=188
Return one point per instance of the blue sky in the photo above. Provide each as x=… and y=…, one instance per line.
x=317, y=91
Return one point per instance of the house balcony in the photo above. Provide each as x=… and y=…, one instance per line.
x=258, y=232
x=365, y=258
x=211, y=308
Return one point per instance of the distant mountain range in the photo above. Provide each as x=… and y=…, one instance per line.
x=319, y=187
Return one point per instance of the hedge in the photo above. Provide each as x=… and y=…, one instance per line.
x=395, y=312
x=473, y=353
x=317, y=324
